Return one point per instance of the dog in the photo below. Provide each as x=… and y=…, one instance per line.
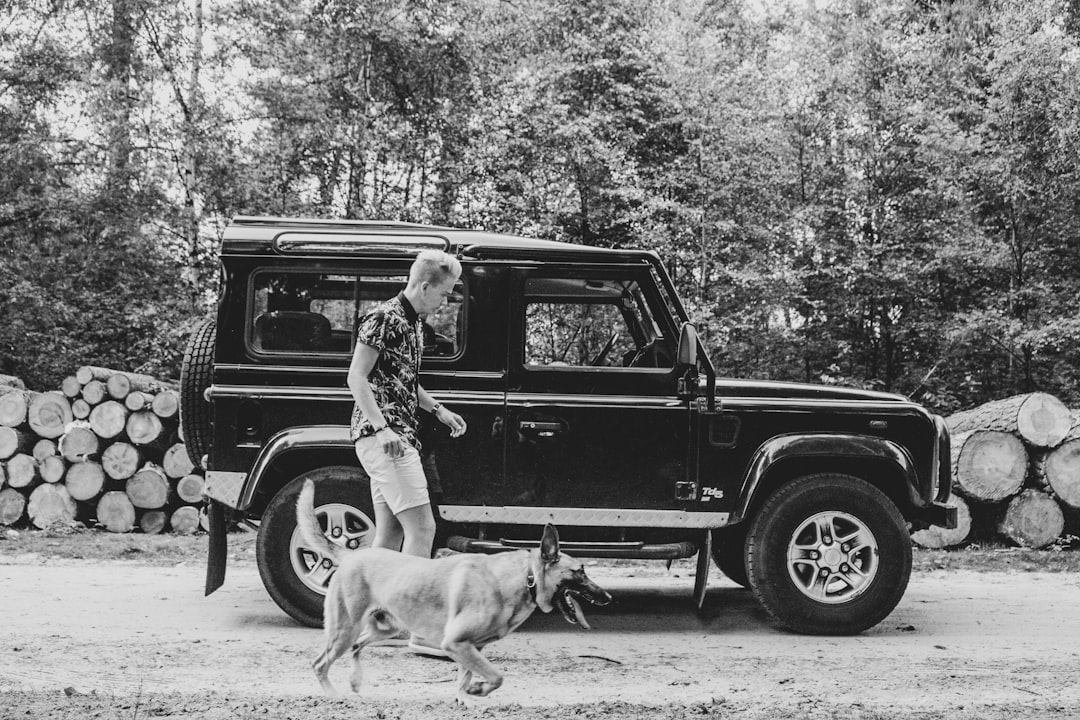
x=462, y=602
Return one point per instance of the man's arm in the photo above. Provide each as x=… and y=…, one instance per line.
x=363, y=362
x=444, y=415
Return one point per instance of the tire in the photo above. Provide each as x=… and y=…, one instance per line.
x=196, y=374
x=295, y=575
x=802, y=569
x=729, y=553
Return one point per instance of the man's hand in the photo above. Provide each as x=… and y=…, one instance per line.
x=452, y=420
x=391, y=443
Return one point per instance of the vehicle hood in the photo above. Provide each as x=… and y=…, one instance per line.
x=729, y=387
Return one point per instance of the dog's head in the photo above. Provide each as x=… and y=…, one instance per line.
x=561, y=581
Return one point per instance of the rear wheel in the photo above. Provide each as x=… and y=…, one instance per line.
x=295, y=574
x=828, y=554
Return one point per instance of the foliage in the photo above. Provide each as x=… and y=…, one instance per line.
x=881, y=194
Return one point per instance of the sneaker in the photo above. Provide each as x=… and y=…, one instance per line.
x=399, y=640
x=422, y=647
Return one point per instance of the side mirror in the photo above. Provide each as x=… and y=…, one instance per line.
x=688, y=344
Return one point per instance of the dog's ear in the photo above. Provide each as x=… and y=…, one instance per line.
x=549, y=545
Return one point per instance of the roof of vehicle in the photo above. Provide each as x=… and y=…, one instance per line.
x=308, y=236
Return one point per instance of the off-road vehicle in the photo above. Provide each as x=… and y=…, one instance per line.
x=591, y=404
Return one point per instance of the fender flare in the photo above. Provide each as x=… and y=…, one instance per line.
x=822, y=445
x=300, y=437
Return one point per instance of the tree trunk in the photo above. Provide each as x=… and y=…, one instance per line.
x=121, y=460
x=138, y=400
x=185, y=520
x=79, y=442
x=1058, y=470
x=80, y=409
x=14, y=405
x=13, y=440
x=52, y=469
x=85, y=480
x=148, y=489
x=12, y=506
x=94, y=392
x=115, y=512
x=108, y=419
x=152, y=522
x=1039, y=419
x=166, y=404
x=22, y=470
x=145, y=428
x=935, y=537
x=49, y=505
x=988, y=465
x=44, y=448
x=12, y=381
x=1032, y=519
x=49, y=414
x=190, y=488
x=177, y=464
x=71, y=387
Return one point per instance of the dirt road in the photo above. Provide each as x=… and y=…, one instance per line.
x=961, y=643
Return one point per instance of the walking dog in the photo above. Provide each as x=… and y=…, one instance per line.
x=461, y=602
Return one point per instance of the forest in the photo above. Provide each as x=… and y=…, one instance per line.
x=877, y=193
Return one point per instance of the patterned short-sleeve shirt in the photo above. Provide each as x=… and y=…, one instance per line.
x=394, y=329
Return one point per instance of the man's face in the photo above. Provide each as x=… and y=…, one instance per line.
x=432, y=297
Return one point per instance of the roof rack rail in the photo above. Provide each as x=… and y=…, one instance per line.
x=307, y=243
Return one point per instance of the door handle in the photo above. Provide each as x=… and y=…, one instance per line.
x=541, y=426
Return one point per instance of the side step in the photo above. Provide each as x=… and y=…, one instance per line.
x=628, y=550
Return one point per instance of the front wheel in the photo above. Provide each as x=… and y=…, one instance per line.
x=296, y=575
x=828, y=554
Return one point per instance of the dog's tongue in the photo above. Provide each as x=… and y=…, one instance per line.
x=580, y=616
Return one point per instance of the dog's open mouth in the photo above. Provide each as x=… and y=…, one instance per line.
x=567, y=600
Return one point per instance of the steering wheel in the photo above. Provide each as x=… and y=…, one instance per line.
x=606, y=349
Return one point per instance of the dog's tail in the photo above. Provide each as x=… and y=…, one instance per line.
x=309, y=524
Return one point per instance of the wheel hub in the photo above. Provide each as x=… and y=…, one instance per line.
x=345, y=526
x=832, y=557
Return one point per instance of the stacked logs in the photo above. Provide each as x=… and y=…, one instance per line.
x=1016, y=472
x=104, y=450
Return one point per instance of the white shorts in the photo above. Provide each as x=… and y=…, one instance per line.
x=398, y=483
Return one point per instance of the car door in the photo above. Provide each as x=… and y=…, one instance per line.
x=593, y=417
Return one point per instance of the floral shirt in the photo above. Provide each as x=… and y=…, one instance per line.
x=394, y=329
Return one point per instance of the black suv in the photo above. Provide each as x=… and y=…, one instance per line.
x=591, y=404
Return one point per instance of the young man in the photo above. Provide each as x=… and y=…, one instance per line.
x=384, y=380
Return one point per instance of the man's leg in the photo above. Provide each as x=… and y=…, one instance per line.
x=388, y=531
x=418, y=525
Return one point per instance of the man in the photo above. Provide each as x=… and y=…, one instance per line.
x=384, y=380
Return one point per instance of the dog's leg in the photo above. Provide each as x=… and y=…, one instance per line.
x=464, y=681
x=377, y=624
x=337, y=644
x=469, y=658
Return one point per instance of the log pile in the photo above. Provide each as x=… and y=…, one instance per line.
x=103, y=450
x=1016, y=472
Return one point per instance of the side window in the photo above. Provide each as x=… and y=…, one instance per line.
x=582, y=322
x=301, y=312
x=317, y=313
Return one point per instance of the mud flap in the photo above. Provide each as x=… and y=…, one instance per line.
x=217, y=549
x=701, y=577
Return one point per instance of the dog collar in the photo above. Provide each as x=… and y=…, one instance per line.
x=530, y=582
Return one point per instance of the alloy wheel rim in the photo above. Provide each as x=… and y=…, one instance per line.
x=345, y=526
x=832, y=557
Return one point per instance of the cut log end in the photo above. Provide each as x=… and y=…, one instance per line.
x=50, y=505
x=115, y=512
x=12, y=506
x=85, y=480
x=185, y=520
x=152, y=522
x=988, y=465
x=1032, y=519
x=935, y=537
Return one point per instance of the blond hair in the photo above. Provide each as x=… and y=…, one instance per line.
x=434, y=266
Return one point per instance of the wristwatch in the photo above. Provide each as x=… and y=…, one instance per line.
x=436, y=408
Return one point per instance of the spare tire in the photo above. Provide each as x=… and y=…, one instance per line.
x=196, y=374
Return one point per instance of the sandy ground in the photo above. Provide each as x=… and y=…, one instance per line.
x=960, y=643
